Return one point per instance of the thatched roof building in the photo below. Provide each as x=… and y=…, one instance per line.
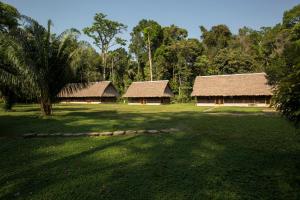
x=234, y=89
x=149, y=92
x=94, y=92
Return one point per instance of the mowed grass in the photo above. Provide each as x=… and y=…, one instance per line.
x=222, y=153
x=70, y=118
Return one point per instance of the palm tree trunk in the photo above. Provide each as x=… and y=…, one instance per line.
x=8, y=102
x=46, y=107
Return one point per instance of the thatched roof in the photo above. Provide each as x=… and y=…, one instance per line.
x=92, y=89
x=149, y=89
x=254, y=84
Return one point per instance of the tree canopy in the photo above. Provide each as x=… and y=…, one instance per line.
x=41, y=62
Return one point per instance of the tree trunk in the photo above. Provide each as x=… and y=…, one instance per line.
x=8, y=102
x=150, y=58
x=179, y=88
x=103, y=55
x=112, y=70
x=46, y=107
x=138, y=72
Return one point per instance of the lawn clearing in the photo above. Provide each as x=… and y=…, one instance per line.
x=216, y=155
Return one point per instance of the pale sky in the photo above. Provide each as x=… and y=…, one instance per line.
x=188, y=14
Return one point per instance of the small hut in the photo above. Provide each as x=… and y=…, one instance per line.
x=149, y=92
x=94, y=92
x=232, y=90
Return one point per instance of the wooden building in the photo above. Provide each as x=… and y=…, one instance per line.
x=149, y=92
x=94, y=92
x=232, y=90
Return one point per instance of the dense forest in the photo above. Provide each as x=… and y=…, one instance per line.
x=156, y=52
x=36, y=63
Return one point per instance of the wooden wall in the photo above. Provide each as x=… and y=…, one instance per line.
x=234, y=99
x=149, y=100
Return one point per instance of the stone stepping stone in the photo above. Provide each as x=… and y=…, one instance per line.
x=106, y=133
x=67, y=134
x=174, y=129
x=118, y=133
x=141, y=131
x=55, y=134
x=165, y=130
x=130, y=132
x=93, y=134
x=152, y=131
x=29, y=135
x=79, y=134
x=169, y=130
x=42, y=135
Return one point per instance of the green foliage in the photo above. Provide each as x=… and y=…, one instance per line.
x=286, y=78
x=88, y=63
x=202, y=65
x=217, y=38
x=9, y=64
x=147, y=31
x=119, y=62
x=173, y=56
x=47, y=60
x=8, y=17
x=291, y=17
x=229, y=61
x=287, y=96
x=105, y=33
x=173, y=34
x=284, y=68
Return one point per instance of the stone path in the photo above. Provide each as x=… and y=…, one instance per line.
x=94, y=134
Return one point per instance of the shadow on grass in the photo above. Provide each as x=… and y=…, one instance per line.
x=213, y=157
x=180, y=166
x=66, y=120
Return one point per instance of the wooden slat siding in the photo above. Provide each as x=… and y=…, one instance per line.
x=108, y=99
x=235, y=99
x=145, y=100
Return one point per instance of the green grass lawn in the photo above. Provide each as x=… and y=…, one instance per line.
x=225, y=153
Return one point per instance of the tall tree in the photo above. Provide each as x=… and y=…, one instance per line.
x=231, y=61
x=9, y=71
x=9, y=17
x=184, y=54
x=104, y=32
x=13, y=74
x=120, y=63
x=215, y=39
x=48, y=59
x=173, y=34
x=291, y=17
x=146, y=37
x=284, y=70
x=88, y=63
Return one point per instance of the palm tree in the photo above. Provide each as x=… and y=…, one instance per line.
x=49, y=59
x=9, y=49
x=13, y=79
